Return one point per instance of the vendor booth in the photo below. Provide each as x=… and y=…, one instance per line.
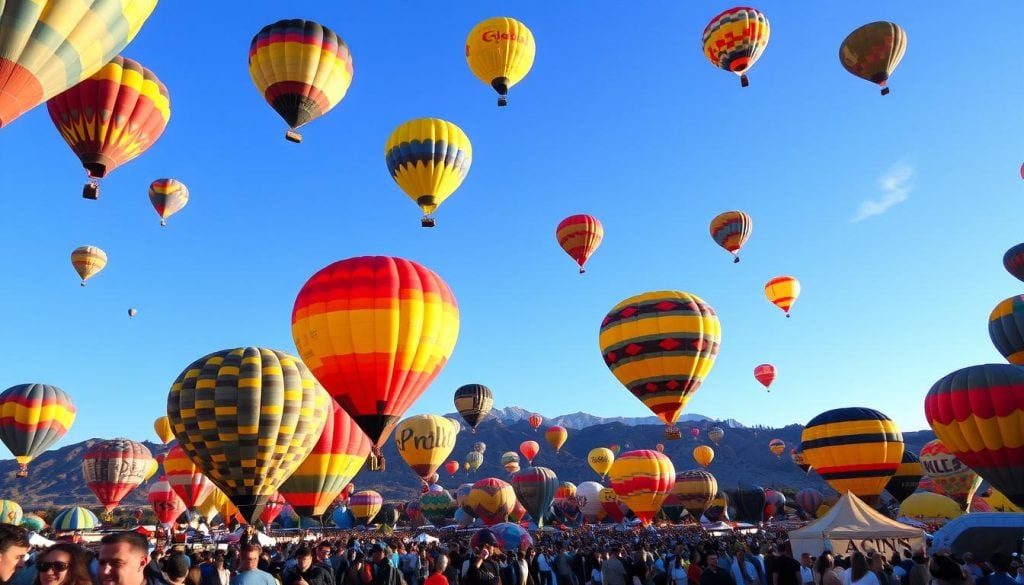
x=852, y=526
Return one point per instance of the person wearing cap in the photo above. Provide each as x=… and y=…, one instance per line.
x=380, y=571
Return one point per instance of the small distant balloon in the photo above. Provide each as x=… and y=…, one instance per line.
x=1013, y=259
x=782, y=291
x=132, y=313
x=88, y=261
x=168, y=197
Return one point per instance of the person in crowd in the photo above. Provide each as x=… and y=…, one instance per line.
x=860, y=572
x=249, y=572
x=437, y=577
x=13, y=548
x=693, y=572
x=305, y=572
x=715, y=575
x=743, y=571
x=785, y=570
x=483, y=570
x=678, y=574
x=613, y=571
x=124, y=560
x=946, y=571
x=380, y=571
x=63, y=564
x=806, y=569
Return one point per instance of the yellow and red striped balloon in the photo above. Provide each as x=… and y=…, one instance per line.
x=375, y=331
x=782, y=291
x=365, y=505
x=185, y=478
x=695, y=489
x=731, y=230
x=32, y=418
x=642, y=479
x=853, y=449
x=579, y=236
x=88, y=261
x=166, y=502
x=556, y=436
x=777, y=446
x=661, y=345
x=491, y=500
x=1006, y=329
x=955, y=479
x=978, y=412
x=168, y=196
x=735, y=39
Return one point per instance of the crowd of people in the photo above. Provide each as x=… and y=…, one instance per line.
x=641, y=556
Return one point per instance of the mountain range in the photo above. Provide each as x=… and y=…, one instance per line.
x=55, y=478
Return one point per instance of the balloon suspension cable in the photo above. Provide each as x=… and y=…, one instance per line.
x=744, y=82
x=293, y=136
x=885, y=91
x=91, y=191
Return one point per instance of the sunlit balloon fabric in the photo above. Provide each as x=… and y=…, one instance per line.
x=424, y=441
x=731, y=230
x=929, y=506
x=873, y=51
x=247, y=416
x=703, y=455
x=529, y=449
x=365, y=505
x=695, y=489
x=556, y=437
x=600, y=460
x=303, y=69
x=735, y=39
x=335, y=459
x=777, y=446
x=853, y=449
x=978, y=413
x=1013, y=259
x=112, y=469
x=74, y=519
x=88, y=261
x=185, y=478
x=956, y=480
x=716, y=434
x=500, y=52
x=47, y=46
x=642, y=479
x=11, y=512
x=1006, y=329
x=112, y=117
x=163, y=429
x=782, y=291
x=375, y=331
x=535, y=488
x=168, y=196
x=428, y=158
x=32, y=418
x=765, y=374
x=907, y=476
x=579, y=236
x=474, y=403
x=535, y=421
x=491, y=500
x=165, y=502
x=660, y=346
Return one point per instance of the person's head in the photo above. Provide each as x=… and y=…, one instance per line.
x=1000, y=562
x=323, y=551
x=805, y=559
x=62, y=564
x=249, y=557
x=858, y=566
x=303, y=557
x=176, y=566
x=377, y=553
x=13, y=547
x=825, y=562
x=712, y=560
x=943, y=568
x=123, y=556
x=441, y=563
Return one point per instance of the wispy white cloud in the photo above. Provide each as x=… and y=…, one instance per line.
x=895, y=189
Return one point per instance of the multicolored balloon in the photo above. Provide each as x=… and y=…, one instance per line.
x=765, y=374
x=695, y=489
x=810, y=499
x=854, y=449
x=365, y=505
x=111, y=118
x=975, y=412
x=474, y=403
x=716, y=434
x=424, y=441
x=474, y=459
x=735, y=39
x=51, y=46
x=428, y=158
x=642, y=479
x=1013, y=259
x=957, y=480
x=1006, y=329
x=579, y=236
x=435, y=506
x=303, y=69
x=535, y=488
x=187, y=480
x=11, y=512
x=777, y=446
x=556, y=437
x=535, y=421
x=500, y=52
x=247, y=417
x=731, y=230
x=797, y=455
x=74, y=519
x=168, y=196
x=491, y=500
x=335, y=332
x=782, y=291
x=32, y=418
x=112, y=469
x=510, y=461
x=165, y=502
x=873, y=51
x=907, y=476
x=661, y=345
x=88, y=261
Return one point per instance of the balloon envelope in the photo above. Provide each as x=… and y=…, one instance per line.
x=32, y=418
x=642, y=479
x=500, y=52
x=474, y=403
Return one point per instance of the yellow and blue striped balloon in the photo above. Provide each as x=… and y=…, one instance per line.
x=428, y=158
x=74, y=518
x=1006, y=329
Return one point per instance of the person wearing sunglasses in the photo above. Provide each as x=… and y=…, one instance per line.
x=63, y=564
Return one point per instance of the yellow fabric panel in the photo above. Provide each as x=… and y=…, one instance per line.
x=490, y=56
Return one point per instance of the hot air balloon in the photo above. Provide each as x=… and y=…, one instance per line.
x=247, y=417
x=731, y=230
x=719, y=507
x=163, y=429
x=132, y=313
x=168, y=196
x=425, y=441
x=566, y=489
x=365, y=505
x=907, y=476
x=452, y=467
x=500, y=53
x=48, y=47
x=972, y=411
x=611, y=505
x=529, y=449
x=32, y=418
x=957, y=480
x=660, y=346
x=660, y=448
x=33, y=523
x=588, y=495
x=810, y=499
x=749, y=501
x=510, y=461
x=1013, y=259
x=474, y=403
x=187, y=480
x=165, y=502
x=480, y=447
x=74, y=519
x=873, y=51
x=927, y=485
x=88, y=261
x=716, y=434
x=272, y=508
x=303, y=69
x=474, y=459
x=334, y=333
x=695, y=489
x=614, y=448
x=777, y=446
x=491, y=500
x=112, y=469
x=428, y=158
x=112, y=117
x=695, y=432
x=579, y=236
x=854, y=449
x=535, y=421
x=797, y=455
x=11, y=512
x=556, y=437
x=1006, y=329
x=535, y=488
x=435, y=506
x=703, y=455
x=926, y=505
x=642, y=479
x=735, y=39
x=765, y=374
x=600, y=460
x=336, y=458
x=782, y=291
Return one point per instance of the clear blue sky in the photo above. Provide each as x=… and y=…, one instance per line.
x=621, y=117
